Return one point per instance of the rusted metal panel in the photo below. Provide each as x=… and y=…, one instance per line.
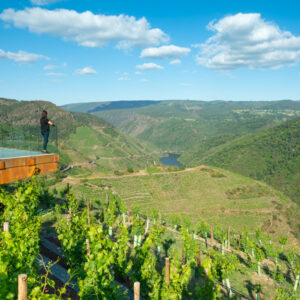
x=21, y=172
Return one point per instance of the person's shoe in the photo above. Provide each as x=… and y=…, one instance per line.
x=45, y=151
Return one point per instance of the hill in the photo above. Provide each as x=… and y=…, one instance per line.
x=197, y=194
x=271, y=155
x=82, y=138
x=177, y=126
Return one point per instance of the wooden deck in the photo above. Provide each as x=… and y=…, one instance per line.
x=18, y=164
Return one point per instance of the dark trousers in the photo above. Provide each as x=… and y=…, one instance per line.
x=45, y=135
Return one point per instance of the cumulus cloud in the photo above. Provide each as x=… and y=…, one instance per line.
x=175, y=62
x=86, y=71
x=43, y=2
x=149, y=66
x=138, y=73
x=170, y=51
x=247, y=40
x=124, y=78
x=52, y=67
x=87, y=29
x=21, y=56
x=54, y=74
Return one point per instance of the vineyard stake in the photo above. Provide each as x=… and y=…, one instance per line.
x=183, y=256
x=68, y=189
x=88, y=210
x=228, y=287
x=22, y=287
x=167, y=263
x=110, y=231
x=212, y=234
x=199, y=256
x=69, y=216
x=136, y=290
x=6, y=226
x=296, y=283
x=147, y=226
x=228, y=238
x=88, y=250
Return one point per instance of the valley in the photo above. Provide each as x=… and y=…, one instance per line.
x=188, y=165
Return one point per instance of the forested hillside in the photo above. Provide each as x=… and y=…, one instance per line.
x=271, y=155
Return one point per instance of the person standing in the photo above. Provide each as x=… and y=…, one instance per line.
x=45, y=129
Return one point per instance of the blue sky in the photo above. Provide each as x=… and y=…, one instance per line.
x=81, y=51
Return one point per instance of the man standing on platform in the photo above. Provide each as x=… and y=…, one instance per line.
x=45, y=129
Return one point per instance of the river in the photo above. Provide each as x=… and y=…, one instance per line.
x=171, y=160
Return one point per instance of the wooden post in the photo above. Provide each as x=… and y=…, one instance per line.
x=211, y=234
x=88, y=250
x=22, y=287
x=167, y=263
x=199, y=256
x=228, y=238
x=88, y=210
x=147, y=226
x=240, y=236
x=129, y=210
x=68, y=189
x=136, y=290
x=69, y=216
x=183, y=256
x=6, y=226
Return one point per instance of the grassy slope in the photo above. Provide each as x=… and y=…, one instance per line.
x=81, y=137
x=199, y=194
x=109, y=150
x=179, y=125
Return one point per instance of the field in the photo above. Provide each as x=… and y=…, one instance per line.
x=213, y=195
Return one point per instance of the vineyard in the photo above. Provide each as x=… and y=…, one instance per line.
x=112, y=251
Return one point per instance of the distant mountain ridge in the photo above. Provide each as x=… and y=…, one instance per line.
x=179, y=125
x=92, y=107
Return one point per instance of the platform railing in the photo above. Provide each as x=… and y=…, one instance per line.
x=27, y=138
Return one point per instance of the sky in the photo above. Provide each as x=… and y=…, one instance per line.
x=68, y=51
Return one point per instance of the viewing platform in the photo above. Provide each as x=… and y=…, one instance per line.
x=19, y=164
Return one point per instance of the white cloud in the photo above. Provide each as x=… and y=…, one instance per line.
x=87, y=29
x=52, y=67
x=54, y=74
x=144, y=80
x=138, y=73
x=175, y=62
x=86, y=71
x=21, y=56
x=185, y=84
x=247, y=40
x=149, y=66
x=43, y=2
x=123, y=78
x=170, y=51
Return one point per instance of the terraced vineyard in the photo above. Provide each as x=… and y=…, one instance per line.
x=103, y=243
x=214, y=195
